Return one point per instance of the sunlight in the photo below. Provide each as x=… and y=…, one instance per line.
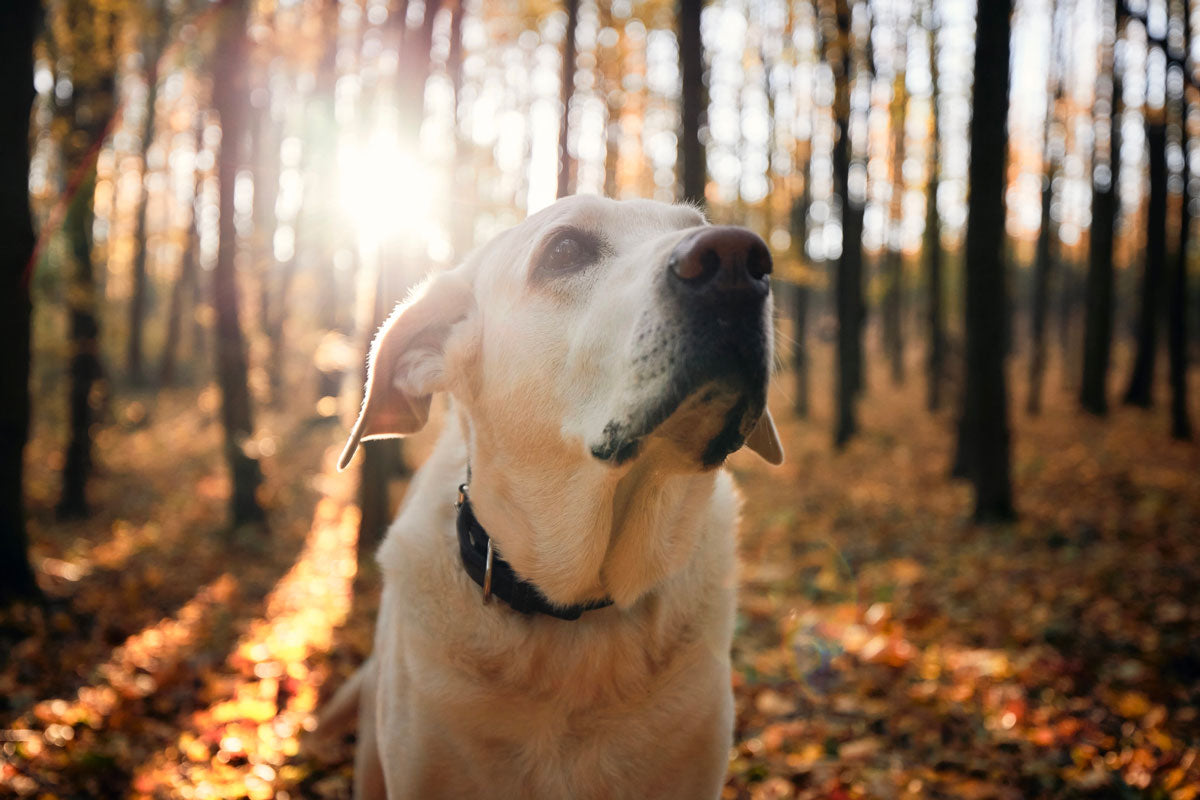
x=264, y=694
x=387, y=190
x=135, y=670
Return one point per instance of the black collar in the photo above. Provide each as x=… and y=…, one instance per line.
x=485, y=566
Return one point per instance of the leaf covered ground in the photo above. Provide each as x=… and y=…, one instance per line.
x=886, y=647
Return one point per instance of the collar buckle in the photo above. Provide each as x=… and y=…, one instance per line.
x=487, y=572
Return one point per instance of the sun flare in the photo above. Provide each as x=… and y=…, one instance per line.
x=388, y=191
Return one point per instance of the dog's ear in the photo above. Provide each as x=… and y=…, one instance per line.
x=406, y=362
x=764, y=440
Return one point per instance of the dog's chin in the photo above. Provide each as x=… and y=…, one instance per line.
x=698, y=423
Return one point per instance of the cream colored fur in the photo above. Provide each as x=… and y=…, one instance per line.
x=462, y=699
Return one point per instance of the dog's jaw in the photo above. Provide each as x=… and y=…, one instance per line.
x=698, y=382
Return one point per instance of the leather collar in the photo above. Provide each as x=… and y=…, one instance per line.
x=485, y=566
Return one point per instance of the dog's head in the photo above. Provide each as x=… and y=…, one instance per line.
x=603, y=331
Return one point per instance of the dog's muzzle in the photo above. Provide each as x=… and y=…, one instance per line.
x=702, y=350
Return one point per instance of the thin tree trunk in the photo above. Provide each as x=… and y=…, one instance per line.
x=186, y=281
x=183, y=283
x=566, y=165
x=462, y=204
x=1141, y=380
x=894, y=259
x=693, y=102
x=610, y=61
x=17, y=34
x=229, y=95
x=266, y=167
x=800, y=356
x=85, y=358
x=1181, y=425
x=1098, y=323
x=320, y=201
x=134, y=360
x=848, y=278
x=932, y=247
x=985, y=411
x=377, y=468
x=1042, y=268
x=89, y=113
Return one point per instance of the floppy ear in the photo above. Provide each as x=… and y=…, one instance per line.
x=406, y=362
x=764, y=440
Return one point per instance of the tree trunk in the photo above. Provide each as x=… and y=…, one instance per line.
x=84, y=369
x=799, y=231
x=187, y=280
x=1042, y=268
x=1098, y=321
x=985, y=411
x=155, y=40
x=893, y=333
x=90, y=112
x=229, y=96
x=848, y=278
x=266, y=135
x=462, y=205
x=566, y=165
x=320, y=201
x=414, y=61
x=17, y=35
x=693, y=102
x=1141, y=380
x=610, y=61
x=932, y=247
x=1181, y=426
x=377, y=467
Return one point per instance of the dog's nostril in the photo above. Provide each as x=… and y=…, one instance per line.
x=758, y=264
x=695, y=265
x=710, y=262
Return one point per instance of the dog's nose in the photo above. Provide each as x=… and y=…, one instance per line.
x=722, y=261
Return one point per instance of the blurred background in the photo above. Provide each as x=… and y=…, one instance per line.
x=975, y=576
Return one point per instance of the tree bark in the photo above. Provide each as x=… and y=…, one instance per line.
x=89, y=114
x=798, y=224
x=1042, y=268
x=848, y=277
x=266, y=137
x=1098, y=321
x=893, y=333
x=17, y=34
x=187, y=280
x=566, y=165
x=693, y=102
x=1141, y=380
x=155, y=41
x=84, y=369
x=985, y=411
x=229, y=95
x=932, y=246
x=1181, y=425
x=610, y=74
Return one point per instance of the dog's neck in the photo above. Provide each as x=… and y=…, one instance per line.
x=578, y=529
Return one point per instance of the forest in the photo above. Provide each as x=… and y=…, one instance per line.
x=975, y=574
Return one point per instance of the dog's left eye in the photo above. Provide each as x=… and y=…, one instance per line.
x=567, y=252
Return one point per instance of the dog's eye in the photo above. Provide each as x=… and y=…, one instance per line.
x=567, y=252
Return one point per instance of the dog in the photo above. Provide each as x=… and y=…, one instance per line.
x=559, y=585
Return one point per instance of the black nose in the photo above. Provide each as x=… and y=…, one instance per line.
x=722, y=262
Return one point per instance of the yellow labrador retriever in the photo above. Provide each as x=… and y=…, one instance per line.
x=559, y=586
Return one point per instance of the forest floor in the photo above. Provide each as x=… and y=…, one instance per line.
x=886, y=647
